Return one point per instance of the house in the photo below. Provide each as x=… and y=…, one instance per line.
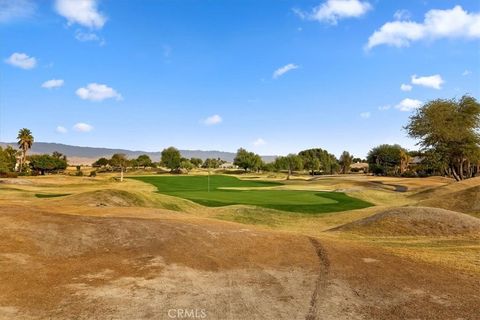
x=359, y=167
x=228, y=165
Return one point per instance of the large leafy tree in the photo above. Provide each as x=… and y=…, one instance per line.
x=450, y=129
x=144, y=161
x=290, y=163
x=345, y=162
x=102, y=162
x=197, y=162
x=4, y=163
x=319, y=159
x=186, y=165
x=387, y=159
x=171, y=158
x=311, y=163
x=25, y=141
x=120, y=161
x=212, y=163
x=8, y=159
x=45, y=163
x=247, y=160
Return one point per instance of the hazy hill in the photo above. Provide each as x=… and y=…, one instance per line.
x=87, y=155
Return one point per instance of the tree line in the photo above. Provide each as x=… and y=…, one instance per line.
x=447, y=131
x=170, y=158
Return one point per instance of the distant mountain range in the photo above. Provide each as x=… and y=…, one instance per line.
x=87, y=155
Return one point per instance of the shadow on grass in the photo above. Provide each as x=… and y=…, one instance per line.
x=51, y=195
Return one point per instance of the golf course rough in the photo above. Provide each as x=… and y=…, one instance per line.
x=220, y=190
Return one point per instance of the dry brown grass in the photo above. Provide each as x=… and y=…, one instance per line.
x=415, y=221
x=463, y=196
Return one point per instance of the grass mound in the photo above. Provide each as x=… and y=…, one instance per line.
x=108, y=198
x=415, y=221
x=219, y=190
x=466, y=200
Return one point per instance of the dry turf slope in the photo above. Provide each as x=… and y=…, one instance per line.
x=416, y=221
x=100, y=249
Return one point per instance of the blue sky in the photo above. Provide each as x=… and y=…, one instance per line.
x=271, y=76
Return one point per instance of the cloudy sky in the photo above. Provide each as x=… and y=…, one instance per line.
x=271, y=76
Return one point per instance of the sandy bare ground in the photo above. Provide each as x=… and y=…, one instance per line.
x=62, y=266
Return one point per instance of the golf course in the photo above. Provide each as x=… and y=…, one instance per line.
x=238, y=246
x=221, y=190
x=239, y=160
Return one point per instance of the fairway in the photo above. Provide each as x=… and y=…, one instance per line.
x=220, y=191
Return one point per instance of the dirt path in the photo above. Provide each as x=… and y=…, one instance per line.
x=321, y=282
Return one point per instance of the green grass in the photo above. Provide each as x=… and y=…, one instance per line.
x=195, y=188
x=51, y=195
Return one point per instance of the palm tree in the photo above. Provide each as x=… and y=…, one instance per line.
x=25, y=141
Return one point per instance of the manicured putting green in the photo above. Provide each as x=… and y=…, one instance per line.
x=195, y=188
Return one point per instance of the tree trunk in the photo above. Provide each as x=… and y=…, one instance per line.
x=455, y=175
x=460, y=170
x=121, y=174
x=469, y=169
x=289, y=173
x=22, y=160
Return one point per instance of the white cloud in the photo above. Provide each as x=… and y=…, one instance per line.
x=333, y=10
x=11, y=10
x=434, y=81
x=86, y=36
x=212, y=120
x=384, y=108
x=282, y=70
x=365, y=115
x=405, y=87
x=61, y=129
x=408, y=104
x=98, y=92
x=21, y=60
x=466, y=72
x=82, y=127
x=402, y=15
x=89, y=36
x=53, y=83
x=82, y=12
x=259, y=142
x=450, y=23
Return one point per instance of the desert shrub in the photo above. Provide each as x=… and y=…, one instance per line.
x=93, y=173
